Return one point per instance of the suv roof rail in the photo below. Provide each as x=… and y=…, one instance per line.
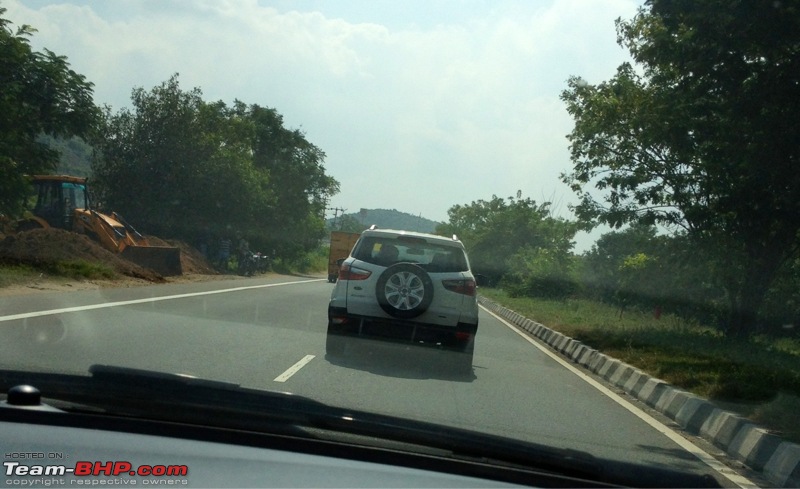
x=373, y=227
x=455, y=238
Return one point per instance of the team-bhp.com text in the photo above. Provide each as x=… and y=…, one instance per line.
x=117, y=469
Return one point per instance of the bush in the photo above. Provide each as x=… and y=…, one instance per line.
x=538, y=272
x=313, y=261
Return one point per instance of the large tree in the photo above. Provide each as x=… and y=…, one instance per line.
x=498, y=232
x=39, y=94
x=703, y=133
x=174, y=165
x=297, y=178
x=179, y=166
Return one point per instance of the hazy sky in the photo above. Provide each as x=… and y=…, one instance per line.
x=418, y=105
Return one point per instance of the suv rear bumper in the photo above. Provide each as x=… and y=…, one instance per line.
x=458, y=338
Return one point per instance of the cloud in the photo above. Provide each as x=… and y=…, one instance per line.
x=416, y=111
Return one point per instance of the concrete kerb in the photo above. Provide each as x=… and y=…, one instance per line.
x=586, y=356
x=693, y=414
x=528, y=325
x=621, y=375
x=778, y=460
x=579, y=351
x=596, y=363
x=652, y=390
x=779, y=468
x=635, y=382
x=608, y=368
x=755, y=446
x=570, y=346
x=721, y=427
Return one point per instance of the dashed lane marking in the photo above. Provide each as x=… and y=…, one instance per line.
x=294, y=369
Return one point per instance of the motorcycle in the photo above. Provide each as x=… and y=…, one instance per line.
x=263, y=262
x=252, y=263
x=246, y=265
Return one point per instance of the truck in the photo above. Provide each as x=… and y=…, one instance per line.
x=341, y=244
x=62, y=201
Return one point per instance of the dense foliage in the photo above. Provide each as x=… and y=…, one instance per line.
x=39, y=94
x=205, y=171
x=703, y=135
x=637, y=267
x=516, y=241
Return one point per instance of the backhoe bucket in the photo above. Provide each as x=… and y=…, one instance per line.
x=161, y=259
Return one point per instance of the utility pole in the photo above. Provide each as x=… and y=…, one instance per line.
x=336, y=211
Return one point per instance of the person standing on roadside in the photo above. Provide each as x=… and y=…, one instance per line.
x=244, y=257
x=224, y=254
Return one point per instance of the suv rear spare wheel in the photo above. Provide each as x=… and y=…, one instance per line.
x=404, y=290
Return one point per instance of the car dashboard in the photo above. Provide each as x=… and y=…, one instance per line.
x=124, y=426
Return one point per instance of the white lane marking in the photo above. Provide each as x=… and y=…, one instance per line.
x=294, y=369
x=690, y=447
x=104, y=305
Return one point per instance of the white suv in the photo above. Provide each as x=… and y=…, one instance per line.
x=406, y=287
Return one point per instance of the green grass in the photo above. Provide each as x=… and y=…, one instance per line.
x=71, y=269
x=17, y=274
x=759, y=378
x=80, y=269
x=315, y=261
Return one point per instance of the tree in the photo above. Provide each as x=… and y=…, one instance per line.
x=175, y=164
x=39, y=94
x=494, y=231
x=297, y=178
x=704, y=135
x=603, y=264
x=637, y=266
x=179, y=166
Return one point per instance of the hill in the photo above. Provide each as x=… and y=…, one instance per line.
x=75, y=155
x=383, y=218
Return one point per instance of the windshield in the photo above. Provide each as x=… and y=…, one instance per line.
x=438, y=258
x=620, y=175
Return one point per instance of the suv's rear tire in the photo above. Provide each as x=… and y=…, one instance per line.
x=404, y=290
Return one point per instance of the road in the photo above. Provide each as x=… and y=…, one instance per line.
x=269, y=333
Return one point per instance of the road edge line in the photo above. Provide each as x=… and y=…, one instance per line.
x=555, y=338
x=104, y=305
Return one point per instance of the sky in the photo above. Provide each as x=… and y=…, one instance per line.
x=418, y=105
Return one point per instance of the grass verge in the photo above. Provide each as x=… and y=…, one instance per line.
x=69, y=269
x=17, y=274
x=759, y=378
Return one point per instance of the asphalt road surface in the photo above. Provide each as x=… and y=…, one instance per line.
x=269, y=333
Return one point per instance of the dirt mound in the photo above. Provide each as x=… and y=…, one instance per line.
x=192, y=261
x=46, y=247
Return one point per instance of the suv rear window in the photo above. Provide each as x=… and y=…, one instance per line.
x=432, y=257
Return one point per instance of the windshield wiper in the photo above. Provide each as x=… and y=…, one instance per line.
x=178, y=398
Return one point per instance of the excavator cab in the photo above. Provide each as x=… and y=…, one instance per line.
x=58, y=198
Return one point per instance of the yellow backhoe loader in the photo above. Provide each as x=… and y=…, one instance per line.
x=62, y=202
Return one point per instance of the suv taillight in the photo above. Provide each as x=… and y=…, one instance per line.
x=466, y=287
x=348, y=272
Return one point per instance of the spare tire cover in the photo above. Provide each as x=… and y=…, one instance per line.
x=404, y=290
